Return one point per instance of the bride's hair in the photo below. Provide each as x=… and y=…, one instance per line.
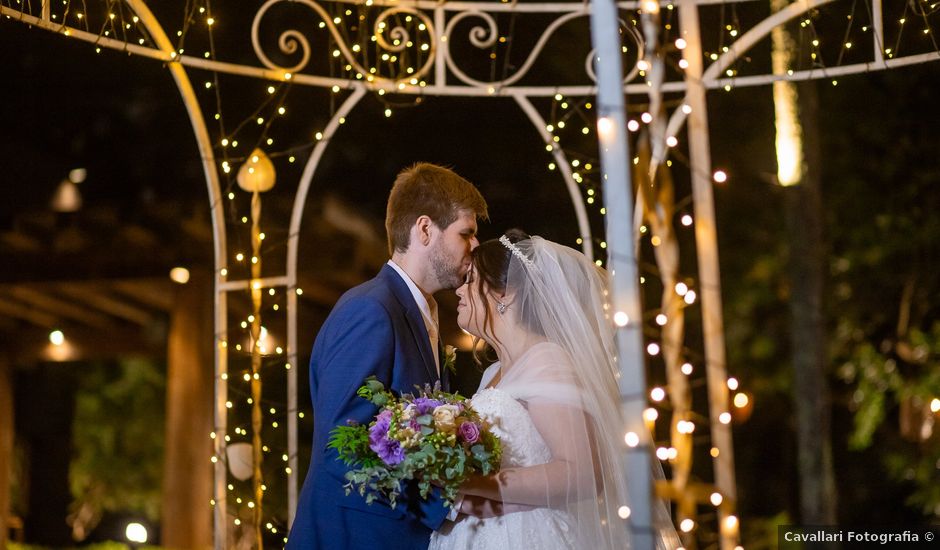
x=491, y=266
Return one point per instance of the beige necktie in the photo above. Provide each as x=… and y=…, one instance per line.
x=433, y=335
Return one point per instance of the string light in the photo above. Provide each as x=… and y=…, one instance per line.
x=56, y=338
x=657, y=394
x=685, y=427
x=620, y=318
x=730, y=523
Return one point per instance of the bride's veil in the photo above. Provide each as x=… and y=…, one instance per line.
x=571, y=387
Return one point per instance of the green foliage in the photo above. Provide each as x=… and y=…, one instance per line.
x=881, y=298
x=118, y=438
x=352, y=446
x=761, y=533
x=885, y=239
x=882, y=382
x=878, y=376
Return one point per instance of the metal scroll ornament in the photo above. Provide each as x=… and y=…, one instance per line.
x=396, y=32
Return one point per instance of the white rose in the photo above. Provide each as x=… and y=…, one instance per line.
x=445, y=417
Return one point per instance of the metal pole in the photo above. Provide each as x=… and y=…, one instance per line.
x=622, y=263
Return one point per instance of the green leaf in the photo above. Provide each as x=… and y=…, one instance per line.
x=352, y=445
x=374, y=385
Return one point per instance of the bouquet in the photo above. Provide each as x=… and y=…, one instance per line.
x=433, y=438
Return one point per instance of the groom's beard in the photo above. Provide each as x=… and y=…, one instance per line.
x=446, y=271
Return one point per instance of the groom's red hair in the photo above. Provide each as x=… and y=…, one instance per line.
x=426, y=189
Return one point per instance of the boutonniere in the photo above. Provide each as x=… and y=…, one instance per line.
x=450, y=359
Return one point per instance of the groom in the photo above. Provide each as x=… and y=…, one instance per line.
x=386, y=327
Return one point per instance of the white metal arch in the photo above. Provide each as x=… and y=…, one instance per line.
x=442, y=19
x=293, y=242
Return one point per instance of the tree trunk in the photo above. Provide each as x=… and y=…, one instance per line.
x=6, y=444
x=187, y=474
x=804, y=217
x=46, y=410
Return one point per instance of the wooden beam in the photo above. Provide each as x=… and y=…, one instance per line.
x=152, y=292
x=95, y=296
x=42, y=300
x=83, y=343
x=321, y=294
x=38, y=318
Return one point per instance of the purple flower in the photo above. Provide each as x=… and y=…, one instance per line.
x=388, y=449
x=469, y=432
x=426, y=405
x=382, y=422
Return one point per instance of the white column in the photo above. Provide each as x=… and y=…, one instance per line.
x=622, y=263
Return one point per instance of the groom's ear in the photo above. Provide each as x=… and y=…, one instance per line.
x=421, y=230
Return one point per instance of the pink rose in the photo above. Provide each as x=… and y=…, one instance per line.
x=469, y=432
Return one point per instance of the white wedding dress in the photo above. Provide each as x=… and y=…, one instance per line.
x=539, y=528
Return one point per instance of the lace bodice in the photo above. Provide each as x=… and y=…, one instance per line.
x=510, y=421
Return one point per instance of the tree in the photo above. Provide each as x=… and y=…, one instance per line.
x=881, y=174
x=796, y=108
x=118, y=441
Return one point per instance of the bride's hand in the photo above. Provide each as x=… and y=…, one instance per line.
x=486, y=508
x=477, y=485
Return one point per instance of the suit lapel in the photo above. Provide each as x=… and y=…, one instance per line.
x=415, y=321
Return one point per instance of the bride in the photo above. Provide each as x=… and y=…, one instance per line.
x=552, y=399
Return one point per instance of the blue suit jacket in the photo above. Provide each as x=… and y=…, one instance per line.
x=375, y=329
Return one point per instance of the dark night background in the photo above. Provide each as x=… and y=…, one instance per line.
x=63, y=106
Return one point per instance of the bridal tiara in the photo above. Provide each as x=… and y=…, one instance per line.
x=515, y=251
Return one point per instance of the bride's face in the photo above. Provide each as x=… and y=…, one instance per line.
x=471, y=309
